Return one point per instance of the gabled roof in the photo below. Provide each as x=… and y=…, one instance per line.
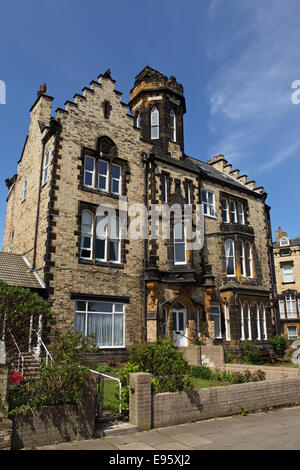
x=16, y=270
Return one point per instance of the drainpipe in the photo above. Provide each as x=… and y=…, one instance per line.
x=38, y=210
x=146, y=172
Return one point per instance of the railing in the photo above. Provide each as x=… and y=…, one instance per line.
x=20, y=355
x=112, y=378
x=37, y=349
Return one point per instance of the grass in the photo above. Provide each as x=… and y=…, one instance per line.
x=111, y=389
x=203, y=383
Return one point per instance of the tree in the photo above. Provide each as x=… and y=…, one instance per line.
x=279, y=345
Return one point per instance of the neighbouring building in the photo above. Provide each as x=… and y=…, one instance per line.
x=287, y=267
x=94, y=152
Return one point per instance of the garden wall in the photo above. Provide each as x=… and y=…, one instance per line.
x=272, y=372
x=166, y=409
x=58, y=424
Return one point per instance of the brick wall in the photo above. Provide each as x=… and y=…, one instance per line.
x=206, y=403
x=272, y=372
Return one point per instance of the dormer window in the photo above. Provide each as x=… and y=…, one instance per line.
x=154, y=124
x=284, y=241
x=173, y=125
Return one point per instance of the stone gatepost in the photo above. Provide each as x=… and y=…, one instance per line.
x=140, y=400
x=4, y=377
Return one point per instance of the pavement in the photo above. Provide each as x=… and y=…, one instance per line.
x=274, y=430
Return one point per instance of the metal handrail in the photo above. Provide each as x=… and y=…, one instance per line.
x=113, y=378
x=48, y=354
x=20, y=355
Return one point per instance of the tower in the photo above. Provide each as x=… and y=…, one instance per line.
x=158, y=105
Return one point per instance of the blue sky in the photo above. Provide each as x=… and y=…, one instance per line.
x=236, y=60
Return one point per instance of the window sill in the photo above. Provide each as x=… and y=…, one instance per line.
x=210, y=216
x=101, y=263
x=100, y=192
x=288, y=282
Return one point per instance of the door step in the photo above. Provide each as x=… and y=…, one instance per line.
x=103, y=429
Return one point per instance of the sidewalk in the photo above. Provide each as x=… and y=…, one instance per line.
x=278, y=429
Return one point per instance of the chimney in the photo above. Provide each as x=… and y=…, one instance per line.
x=279, y=234
x=40, y=112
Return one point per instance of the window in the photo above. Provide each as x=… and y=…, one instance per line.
x=240, y=213
x=284, y=241
x=187, y=193
x=248, y=259
x=229, y=257
x=138, y=120
x=227, y=322
x=208, y=202
x=258, y=326
x=248, y=322
x=103, y=175
x=46, y=167
x=291, y=307
x=285, y=252
x=164, y=189
x=25, y=190
x=173, y=125
x=241, y=317
x=86, y=234
x=165, y=321
x=281, y=308
x=89, y=171
x=197, y=323
x=292, y=332
x=104, y=320
x=233, y=217
x=287, y=273
x=179, y=244
x=215, y=315
x=225, y=213
x=264, y=321
x=107, y=238
x=154, y=124
x=241, y=251
x=115, y=179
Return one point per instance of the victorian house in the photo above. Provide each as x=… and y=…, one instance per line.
x=95, y=153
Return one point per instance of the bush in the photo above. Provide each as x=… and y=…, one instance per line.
x=250, y=353
x=279, y=345
x=201, y=372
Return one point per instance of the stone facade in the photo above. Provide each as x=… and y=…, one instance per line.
x=94, y=153
x=287, y=268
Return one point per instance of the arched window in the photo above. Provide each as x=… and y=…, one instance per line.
x=248, y=322
x=173, y=125
x=179, y=244
x=86, y=234
x=154, y=124
x=257, y=317
x=264, y=321
x=241, y=316
x=229, y=256
x=241, y=251
x=248, y=250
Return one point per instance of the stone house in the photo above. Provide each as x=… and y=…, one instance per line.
x=93, y=154
x=287, y=268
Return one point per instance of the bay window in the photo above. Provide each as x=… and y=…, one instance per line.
x=215, y=315
x=258, y=324
x=291, y=306
x=241, y=317
x=229, y=257
x=248, y=259
x=105, y=321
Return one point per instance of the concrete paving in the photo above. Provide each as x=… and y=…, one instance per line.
x=278, y=429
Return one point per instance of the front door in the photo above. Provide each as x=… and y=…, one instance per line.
x=179, y=327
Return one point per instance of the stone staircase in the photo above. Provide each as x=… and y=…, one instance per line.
x=31, y=365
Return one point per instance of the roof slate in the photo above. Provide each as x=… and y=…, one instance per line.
x=15, y=270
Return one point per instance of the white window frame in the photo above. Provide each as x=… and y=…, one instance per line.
x=225, y=210
x=164, y=186
x=233, y=212
x=264, y=319
x=208, y=207
x=138, y=120
x=85, y=234
x=90, y=172
x=215, y=314
x=113, y=313
x=291, y=306
x=228, y=257
x=258, y=327
x=173, y=125
x=248, y=260
x=287, y=271
x=154, y=123
x=103, y=175
x=179, y=243
x=25, y=187
x=227, y=322
x=291, y=336
x=116, y=179
x=248, y=320
x=241, y=251
x=46, y=167
x=240, y=213
x=281, y=305
x=241, y=315
x=284, y=241
x=108, y=237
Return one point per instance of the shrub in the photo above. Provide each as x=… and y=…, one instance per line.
x=201, y=372
x=250, y=353
x=229, y=358
x=279, y=345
